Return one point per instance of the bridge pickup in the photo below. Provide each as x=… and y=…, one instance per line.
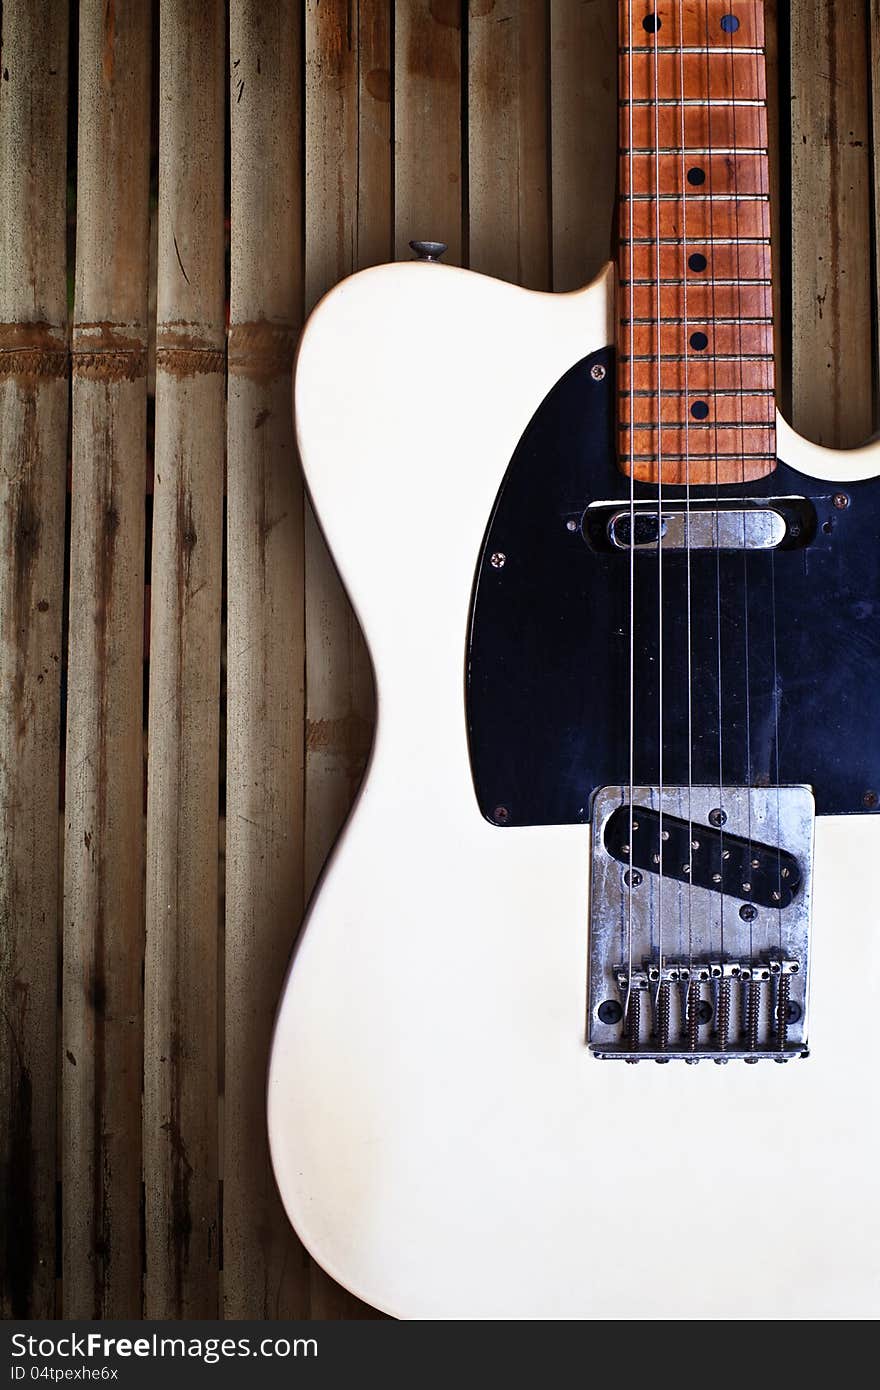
x=705, y=855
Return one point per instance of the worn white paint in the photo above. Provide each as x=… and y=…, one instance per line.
x=443, y=1142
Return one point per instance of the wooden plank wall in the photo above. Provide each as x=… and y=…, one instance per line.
x=353, y=126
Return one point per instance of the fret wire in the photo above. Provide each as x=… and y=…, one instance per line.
x=696, y=241
x=740, y=391
x=722, y=52
x=716, y=454
x=694, y=197
x=695, y=101
x=700, y=426
x=702, y=358
x=695, y=323
x=673, y=280
x=643, y=152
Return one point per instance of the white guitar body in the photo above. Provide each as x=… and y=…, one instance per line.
x=444, y=1143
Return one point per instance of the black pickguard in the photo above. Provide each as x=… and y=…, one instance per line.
x=548, y=655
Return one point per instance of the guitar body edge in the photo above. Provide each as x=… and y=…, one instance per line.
x=443, y=1142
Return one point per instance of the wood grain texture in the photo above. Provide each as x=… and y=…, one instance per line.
x=103, y=856
x=427, y=126
x=33, y=455
x=832, y=375
x=181, y=1124
x=775, y=164
x=683, y=201
x=508, y=141
x=348, y=170
x=265, y=1271
x=583, y=114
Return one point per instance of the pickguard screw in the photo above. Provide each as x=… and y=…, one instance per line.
x=748, y=912
x=632, y=879
x=501, y=814
x=597, y=372
x=841, y=501
x=571, y=525
x=717, y=817
x=498, y=559
x=870, y=800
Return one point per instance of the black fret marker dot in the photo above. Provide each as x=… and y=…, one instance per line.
x=697, y=261
x=699, y=410
x=729, y=23
x=696, y=177
x=651, y=24
x=699, y=342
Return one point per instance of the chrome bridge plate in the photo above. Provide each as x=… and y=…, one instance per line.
x=685, y=963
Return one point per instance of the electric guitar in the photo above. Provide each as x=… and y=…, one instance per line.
x=582, y=1023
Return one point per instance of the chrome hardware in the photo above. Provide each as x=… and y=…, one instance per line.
x=758, y=528
x=678, y=996
x=428, y=250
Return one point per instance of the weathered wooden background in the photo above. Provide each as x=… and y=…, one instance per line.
x=184, y=695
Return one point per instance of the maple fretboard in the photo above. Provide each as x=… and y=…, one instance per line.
x=696, y=371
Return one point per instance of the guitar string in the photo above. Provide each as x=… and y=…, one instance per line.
x=745, y=549
x=687, y=505
x=657, y=229
x=715, y=530
x=632, y=524
x=760, y=64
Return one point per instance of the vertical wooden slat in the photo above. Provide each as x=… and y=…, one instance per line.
x=832, y=376
x=33, y=452
x=427, y=125
x=103, y=853
x=180, y=1055
x=347, y=226
x=103, y=928
x=508, y=150
x=265, y=1273
x=583, y=114
x=375, y=207
x=339, y=685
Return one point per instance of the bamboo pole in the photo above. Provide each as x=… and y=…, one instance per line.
x=348, y=171
x=427, y=125
x=375, y=204
x=583, y=115
x=180, y=1010
x=832, y=367
x=33, y=456
x=339, y=708
x=508, y=148
x=265, y=1271
x=103, y=854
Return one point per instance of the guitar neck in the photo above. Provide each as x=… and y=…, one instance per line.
x=696, y=378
